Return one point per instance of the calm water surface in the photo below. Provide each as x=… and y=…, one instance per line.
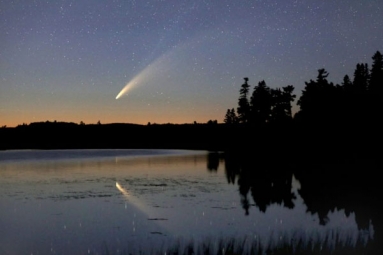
x=130, y=201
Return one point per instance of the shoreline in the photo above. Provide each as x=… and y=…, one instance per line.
x=285, y=142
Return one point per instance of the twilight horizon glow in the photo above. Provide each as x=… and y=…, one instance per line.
x=184, y=60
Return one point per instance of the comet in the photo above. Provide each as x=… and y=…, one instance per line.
x=149, y=74
x=166, y=65
x=128, y=86
x=177, y=62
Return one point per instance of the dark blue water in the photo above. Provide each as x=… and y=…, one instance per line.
x=149, y=201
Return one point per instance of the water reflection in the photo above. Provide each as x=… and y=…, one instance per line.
x=264, y=186
x=121, y=204
x=213, y=161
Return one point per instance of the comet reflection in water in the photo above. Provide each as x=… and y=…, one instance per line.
x=131, y=198
x=123, y=191
x=134, y=200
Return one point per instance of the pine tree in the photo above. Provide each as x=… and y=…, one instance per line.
x=288, y=98
x=243, y=102
x=260, y=103
x=346, y=84
x=318, y=99
x=361, y=78
x=281, y=103
x=376, y=78
x=230, y=117
x=375, y=98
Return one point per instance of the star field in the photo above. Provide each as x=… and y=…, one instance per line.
x=67, y=60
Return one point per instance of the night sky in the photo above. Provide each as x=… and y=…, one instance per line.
x=183, y=60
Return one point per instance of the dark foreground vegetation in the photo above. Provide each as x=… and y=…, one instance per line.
x=237, y=246
x=61, y=135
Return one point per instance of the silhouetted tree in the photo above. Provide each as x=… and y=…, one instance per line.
x=260, y=104
x=376, y=77
x=288, y=98
x=376, y=88
x=318, y=99
x=346, y=99
x=281, y=103
x=347, y=84
x=361, y=78
x=212, y=122
x=243, y=109
x=359, y=101
x=277, y=112
x=356, y=102
x=265, y=105
x=230, y=117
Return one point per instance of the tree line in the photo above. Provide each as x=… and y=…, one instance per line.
x=357, y=100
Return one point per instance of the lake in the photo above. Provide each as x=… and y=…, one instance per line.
x=173, y=201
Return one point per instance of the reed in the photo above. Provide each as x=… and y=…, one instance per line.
x=244, y=246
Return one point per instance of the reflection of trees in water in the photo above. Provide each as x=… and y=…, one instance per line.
x=278, y=190
x=213, y=162
x=325, y=189
x=268, y=184
x=352, y=186
x=329, y=222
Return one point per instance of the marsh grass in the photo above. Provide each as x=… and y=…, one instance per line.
x=248, y=246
